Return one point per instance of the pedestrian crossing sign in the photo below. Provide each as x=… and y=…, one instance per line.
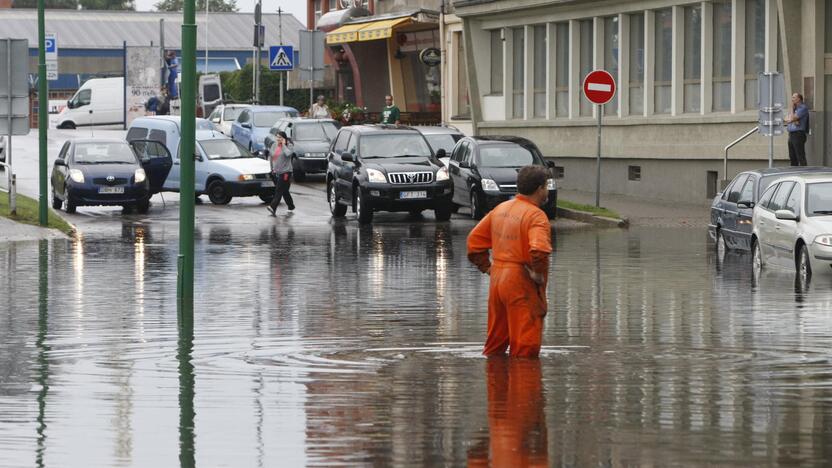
x=281, y=58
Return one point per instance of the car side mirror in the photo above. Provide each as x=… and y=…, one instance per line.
x=348, y=157
x=441, y=153
x=245, y=125
x=465, y=164
x=60, y=162
x=69, y=104
x=786, y=215
x=197, y=157
x=745, y=204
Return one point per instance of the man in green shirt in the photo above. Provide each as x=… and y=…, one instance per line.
x=390, y=114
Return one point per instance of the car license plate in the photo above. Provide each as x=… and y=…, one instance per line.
x=412, y=195
x=267, y=183
x=111, y=190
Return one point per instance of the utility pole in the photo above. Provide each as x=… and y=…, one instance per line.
x=280, y=40
x=185, y=280
x=43, y=105
x=205, y=68
x=258, y=15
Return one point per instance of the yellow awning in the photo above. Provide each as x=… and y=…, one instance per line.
x=380, y=29
x=371, y=31
x=346, y=33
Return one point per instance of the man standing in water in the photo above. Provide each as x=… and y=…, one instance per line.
x=519, y=236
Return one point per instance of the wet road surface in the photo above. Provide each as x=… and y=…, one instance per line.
x=324, y=343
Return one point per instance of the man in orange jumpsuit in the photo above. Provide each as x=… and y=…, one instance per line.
x=519, y=236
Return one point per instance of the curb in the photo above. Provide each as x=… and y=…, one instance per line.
x=586, y=217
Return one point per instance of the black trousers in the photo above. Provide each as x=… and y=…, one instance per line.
x=282, y=183
x=797, y=148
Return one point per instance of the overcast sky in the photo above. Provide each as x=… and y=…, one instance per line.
x=295, y=7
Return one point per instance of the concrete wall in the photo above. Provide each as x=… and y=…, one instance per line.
x=392, y=6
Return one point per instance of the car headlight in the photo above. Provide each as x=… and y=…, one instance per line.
x=550, y=184
x=442, y=174
x=488, y=184
x=139, y=176
x=244, y=177
x=824, y=239
x=76, y=175
x=374, y=175
x=314, y=155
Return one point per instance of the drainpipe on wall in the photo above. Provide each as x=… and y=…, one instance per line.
x=443, y=63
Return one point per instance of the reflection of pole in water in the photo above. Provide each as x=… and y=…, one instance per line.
x=186, y=386
x=43, y=350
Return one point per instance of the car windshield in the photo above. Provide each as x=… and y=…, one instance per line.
x=395, y=145
x=104, y=153
x=231, y=113
x=202, y=124
x=224, y=149
x=505, y=155
x=445, y=141
x=819, y=199
x=320, y=131
x=267, y=119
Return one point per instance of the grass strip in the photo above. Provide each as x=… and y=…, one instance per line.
x=27, y=213
x=588, y=208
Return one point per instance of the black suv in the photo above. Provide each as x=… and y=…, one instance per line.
x=386, y=168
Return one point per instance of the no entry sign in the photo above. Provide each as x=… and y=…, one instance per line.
x=599, y=87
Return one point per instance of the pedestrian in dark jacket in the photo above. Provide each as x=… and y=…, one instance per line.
x=281, y=161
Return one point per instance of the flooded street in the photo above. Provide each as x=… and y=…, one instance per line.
x=332, y=344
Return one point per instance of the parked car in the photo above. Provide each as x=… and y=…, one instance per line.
x=253, y=124
x=99, y=101
x=484, y=172
x=225, y=114
x=224, y=169
x=792, y=225
x=441, y=137
x=107, y=172
x=311, y=138
x=731, y=210
x=386, y=168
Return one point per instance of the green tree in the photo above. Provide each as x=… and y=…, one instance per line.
x=50, y=4
x=108, y=5
x=213, y=5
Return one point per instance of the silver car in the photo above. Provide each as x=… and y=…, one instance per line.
x=792, y=225
x=441, y=137
x=225, y=114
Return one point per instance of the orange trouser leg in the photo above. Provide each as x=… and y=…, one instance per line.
x=498, y=337
x=521, y=298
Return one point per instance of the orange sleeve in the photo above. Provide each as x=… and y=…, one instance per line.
x=479, y=243
x=540, y=233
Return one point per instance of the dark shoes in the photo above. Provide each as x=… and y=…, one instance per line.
x=271, y=210
x=292, y=208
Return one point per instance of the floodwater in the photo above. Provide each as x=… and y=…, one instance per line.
x=339, y=345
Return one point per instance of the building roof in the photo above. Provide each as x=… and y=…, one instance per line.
x=226, y=31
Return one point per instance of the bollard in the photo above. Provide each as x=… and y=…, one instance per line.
x=13, y=195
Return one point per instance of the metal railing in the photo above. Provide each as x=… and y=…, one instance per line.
x=731, y=145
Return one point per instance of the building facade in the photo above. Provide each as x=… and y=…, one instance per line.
x=687, y=76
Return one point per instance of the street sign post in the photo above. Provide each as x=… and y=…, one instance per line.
x=599, y=89
x=772, y=94
x=281, y=58
x=51, y=47
x=311, y=66
x=14, y=102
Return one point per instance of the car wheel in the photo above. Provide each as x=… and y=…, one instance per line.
x=442, y=213
x=267, y=198
x=126, y=209
x=454, y=208
x=57, y=203
x=143, y=206
x=217, y=193
x=757, y=262
x=68, y=125
x=721, y=247
x=476, y=209
x=362, y=208
x=415, y=212
x=338, y=210
x=804, y=265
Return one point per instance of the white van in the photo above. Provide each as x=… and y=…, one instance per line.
x=99, y=101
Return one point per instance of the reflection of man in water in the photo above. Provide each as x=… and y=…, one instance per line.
x=516, y=420
x=519, y=236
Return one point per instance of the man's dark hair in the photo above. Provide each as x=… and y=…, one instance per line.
x=800, y=96
x=531, y=178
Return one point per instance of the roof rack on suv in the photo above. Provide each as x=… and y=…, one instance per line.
x=392, y=127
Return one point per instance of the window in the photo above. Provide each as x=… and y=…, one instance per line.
x=778, y=201
x=318, y=11
x=637, y=64
x=81, y=99
x=586, y=63
x=62, y=154
x=562, y=69
x=497, y=62
x=693, y=59
x=463, y=105
x=611, y=58
x=158, y=135
x=755, y=48
x=560, y=172
x=505, y=155
x=352, y=146
x=747, y=193
x=827, y=32
x=136, y=133
x=736, y=188
x=793, y=202
x=518, y=64
x=819, y=199
x=540, y=70
x=634, y=173
x=664, y=56
x=722, y=56
x=244, y=116
x=341, y=142
x=765, y=200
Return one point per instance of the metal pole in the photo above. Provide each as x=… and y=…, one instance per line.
x=600, y=109
x=771, y=120
x=280, y=39
x=185, y=282
x=257, y=62
x=205, y=68
x=162, y=52
x=12, y=179
x=43, y=104
x=124, y=93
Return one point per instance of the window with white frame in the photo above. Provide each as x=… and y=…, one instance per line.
x=637, y=64
x=586, y=63
x=318, y=11
x=722, y=56
x=497, y=62
x=518, y=64
x=611, y=58
x=755, y=48
x=692, y=89
x=539, y=84
x=463, y=106
x=562, y=69
x=663, y=73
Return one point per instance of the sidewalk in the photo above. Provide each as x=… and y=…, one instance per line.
x=642, y=212
x=14, y=231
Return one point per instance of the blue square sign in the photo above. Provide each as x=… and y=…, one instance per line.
x=51, y=44
x=281, y=57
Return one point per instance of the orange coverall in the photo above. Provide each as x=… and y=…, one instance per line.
x=519, y=236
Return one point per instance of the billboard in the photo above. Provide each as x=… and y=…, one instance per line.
x=142, y=78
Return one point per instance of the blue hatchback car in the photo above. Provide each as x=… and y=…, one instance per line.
x=253, y=124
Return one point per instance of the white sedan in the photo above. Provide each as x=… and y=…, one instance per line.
x=792, y=225
x=225, y=114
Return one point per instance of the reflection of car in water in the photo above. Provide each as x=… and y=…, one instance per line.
x=792, y=225
x=311, y=138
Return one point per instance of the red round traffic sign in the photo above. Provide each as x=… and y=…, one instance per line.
x=599, y=86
